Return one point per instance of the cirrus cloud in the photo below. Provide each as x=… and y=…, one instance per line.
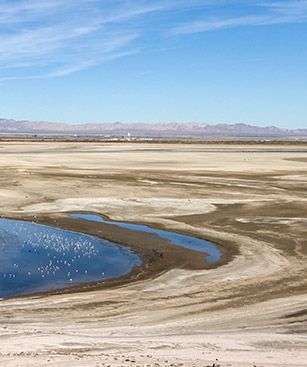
x=43, y=38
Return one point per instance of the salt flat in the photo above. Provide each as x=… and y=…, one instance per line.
x=250, y=311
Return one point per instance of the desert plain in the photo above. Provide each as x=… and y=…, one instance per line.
x=248, y=310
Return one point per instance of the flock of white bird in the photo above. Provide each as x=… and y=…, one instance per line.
x=47, y=252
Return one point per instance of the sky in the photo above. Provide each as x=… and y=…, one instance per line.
x=210, y=61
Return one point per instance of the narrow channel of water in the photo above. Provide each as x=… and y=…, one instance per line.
x=188, y=242
x=37, y=258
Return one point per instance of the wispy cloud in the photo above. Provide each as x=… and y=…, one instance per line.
x=61, y=37
x=83, y=64
x=296, y=7
x=43, y=38
x=259, y=14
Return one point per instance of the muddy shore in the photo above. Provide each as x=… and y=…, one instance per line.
x=157, y=254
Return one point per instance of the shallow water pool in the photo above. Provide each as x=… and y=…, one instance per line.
x=37, y=258
x=177, y=239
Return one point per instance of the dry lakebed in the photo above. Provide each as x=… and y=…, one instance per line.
x=147, y=254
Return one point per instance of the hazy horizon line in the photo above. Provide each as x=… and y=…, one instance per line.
x=252, y=124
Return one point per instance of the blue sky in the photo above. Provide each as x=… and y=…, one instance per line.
x=154, y=61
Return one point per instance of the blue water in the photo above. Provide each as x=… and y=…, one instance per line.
x=37, y=258
x=188, y=242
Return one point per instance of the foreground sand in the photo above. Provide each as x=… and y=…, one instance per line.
x=251, y=311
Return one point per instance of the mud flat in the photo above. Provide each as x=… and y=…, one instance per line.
x=249, y=310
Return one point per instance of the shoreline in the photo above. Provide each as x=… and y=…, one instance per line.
x=157, y=255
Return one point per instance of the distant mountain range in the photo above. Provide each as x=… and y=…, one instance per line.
x=165, y=130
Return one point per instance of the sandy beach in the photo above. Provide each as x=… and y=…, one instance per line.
x=248, y=310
